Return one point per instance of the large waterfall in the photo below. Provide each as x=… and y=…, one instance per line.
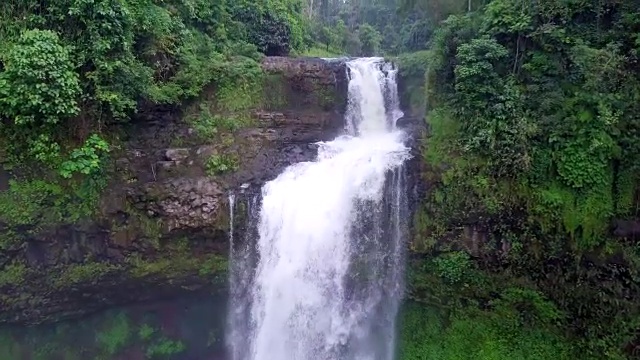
x=320, y=275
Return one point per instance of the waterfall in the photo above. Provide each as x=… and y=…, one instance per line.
x=321, y=277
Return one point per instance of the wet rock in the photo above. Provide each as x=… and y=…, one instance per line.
x=166, y=164
x=205, y=151
x=325, y=72
x=176, y=154
x=4, y=179
x=184, y=202
x=626, y=228
x=408, y=122
x=115, y=254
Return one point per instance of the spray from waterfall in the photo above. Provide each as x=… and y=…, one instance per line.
x=322, y=276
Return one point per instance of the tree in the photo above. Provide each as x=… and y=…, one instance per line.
x=370, y=39
x=38, y=84
x=38, y=89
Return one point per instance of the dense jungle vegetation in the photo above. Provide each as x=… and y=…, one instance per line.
x=532, y=158
x=526, y=244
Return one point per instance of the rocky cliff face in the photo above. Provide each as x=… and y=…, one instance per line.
x=162, y=224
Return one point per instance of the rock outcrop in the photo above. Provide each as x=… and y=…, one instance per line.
x=162, y=223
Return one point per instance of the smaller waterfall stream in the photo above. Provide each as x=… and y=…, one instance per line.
x=242, y=264
x=232, y=204
x=321, y=279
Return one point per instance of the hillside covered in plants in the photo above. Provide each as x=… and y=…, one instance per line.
x=525, y=236
x=532, y=167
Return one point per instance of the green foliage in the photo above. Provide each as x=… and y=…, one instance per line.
x=13, y=274
x=205, y=123
x=219, y=164
x=526, y=307
x=25, y=202
x=506, y=121
x=275, y=26
x=208, y=125
x=86, y=159
x=177, y=263
x=38, y=85
x=78, y=338
x=38, y=90
x=213, y=265
x=625, y=190
x=328, y=36
x=9, y=347
x=453, y=266
x=240, y=86
x=103, y=34
x=164, y=347
x=412, y=68
x=146, y=332
x=369, y=39
x=71, y=68
x=36, y=203
x=200, y=65
x=428, y=333
x=366, y=28
x=116, y=335
x=322, y=52
x=89, y=272
x=533, y=126
x=414, y=65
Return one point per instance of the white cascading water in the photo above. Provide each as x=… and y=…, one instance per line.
x=326, y=280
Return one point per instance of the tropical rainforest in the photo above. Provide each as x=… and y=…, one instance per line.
x=525, y=244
